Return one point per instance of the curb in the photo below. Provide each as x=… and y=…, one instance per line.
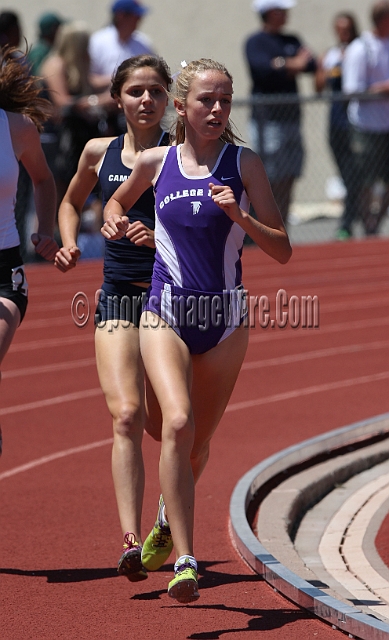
x=342, y=616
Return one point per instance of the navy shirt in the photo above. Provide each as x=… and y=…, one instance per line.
x=123, y=260
x=261, y=49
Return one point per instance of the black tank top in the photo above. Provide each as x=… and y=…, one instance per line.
x=123, y=260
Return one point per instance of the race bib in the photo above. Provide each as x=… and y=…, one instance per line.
x=19, y=280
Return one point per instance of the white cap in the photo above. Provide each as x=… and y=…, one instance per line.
x=266, y=5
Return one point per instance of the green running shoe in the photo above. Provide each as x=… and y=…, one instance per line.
x=184, y=586
x=159, y=544
x=130, y=563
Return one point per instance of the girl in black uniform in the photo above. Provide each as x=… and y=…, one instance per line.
x=140, y=88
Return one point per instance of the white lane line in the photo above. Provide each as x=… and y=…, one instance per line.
x=258, y=364
x=318, y=353
x=333, y=540
x=237, y=406
x=48, y=368
x=265, y=335
x=48, y=343
x=352, y=263
x=344, y=305
x=322, y=284
x=320, y=388
x=48, y=402
x=336, y=327
x=54, y=456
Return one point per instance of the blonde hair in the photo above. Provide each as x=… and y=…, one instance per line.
x=182, y=88
x=71, y=44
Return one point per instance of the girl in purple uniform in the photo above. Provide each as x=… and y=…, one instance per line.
x=193, y=338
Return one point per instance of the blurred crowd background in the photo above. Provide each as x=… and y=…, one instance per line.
x=69, y=46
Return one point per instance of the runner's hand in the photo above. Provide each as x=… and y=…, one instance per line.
x=223, y=196
x=66, y=259
x=45, y=246
x=115, y=227
x=139, y=234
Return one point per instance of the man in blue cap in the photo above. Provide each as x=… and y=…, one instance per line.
x=120, y=40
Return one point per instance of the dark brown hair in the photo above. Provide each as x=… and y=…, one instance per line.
x=181, y=90
x=379, y=11
x=130, y=65
x=20, y=92
x=344, y=15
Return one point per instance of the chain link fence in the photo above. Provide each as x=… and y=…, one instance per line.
x=319, y=195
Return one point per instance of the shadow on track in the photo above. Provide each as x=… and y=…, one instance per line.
x=260, y=620
x=65, y=575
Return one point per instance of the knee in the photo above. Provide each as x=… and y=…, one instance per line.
x=127, y=421
x=179, y=430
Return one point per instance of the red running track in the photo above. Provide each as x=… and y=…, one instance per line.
x=60, y=535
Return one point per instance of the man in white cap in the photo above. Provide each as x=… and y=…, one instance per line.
x=275, y=60
x=120, y=40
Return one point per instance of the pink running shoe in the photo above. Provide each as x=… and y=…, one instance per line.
x=130, y=563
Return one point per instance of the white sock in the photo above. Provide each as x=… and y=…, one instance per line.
x=186, y=560
x=164, y=521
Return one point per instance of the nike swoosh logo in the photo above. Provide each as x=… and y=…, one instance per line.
x=228, y=178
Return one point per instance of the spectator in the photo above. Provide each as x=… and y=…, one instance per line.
x=366, y=69
x=329, y=75
x=48, y=26
x=118, y=41
x=10, y=30
x=80, y=110
x=275, y=60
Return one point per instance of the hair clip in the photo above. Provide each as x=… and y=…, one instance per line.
x=183, y=65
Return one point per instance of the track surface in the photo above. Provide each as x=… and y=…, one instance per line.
x=60, y=534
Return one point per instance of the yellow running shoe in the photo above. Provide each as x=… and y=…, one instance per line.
x=159, y=544
x=130, y=563
x=184, y=586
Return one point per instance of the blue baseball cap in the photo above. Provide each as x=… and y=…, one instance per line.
x=129, y=6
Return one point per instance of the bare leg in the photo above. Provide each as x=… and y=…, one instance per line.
x=122, y=380
x=9, y=322
x=213, y=384
x=184, y=453
x=210, y=395
x=169, y=368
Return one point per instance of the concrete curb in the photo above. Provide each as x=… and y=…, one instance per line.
x=345, y=617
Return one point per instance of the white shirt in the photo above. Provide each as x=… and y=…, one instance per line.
x=333, y=57
x=366, y=61
x=9, y=172
x=107, y=51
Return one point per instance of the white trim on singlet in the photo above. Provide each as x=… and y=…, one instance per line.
x=166, y=249
x=244, y=203
x=208, y=175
